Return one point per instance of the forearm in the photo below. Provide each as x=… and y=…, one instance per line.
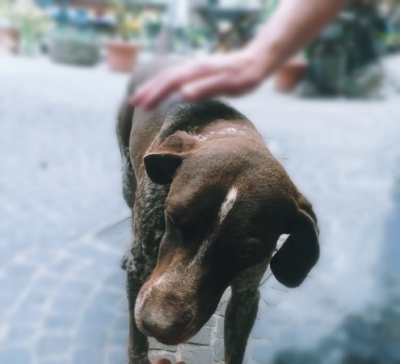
x=291, y=27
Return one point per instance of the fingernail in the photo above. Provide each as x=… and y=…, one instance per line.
x=133, y=100
x=187, y=92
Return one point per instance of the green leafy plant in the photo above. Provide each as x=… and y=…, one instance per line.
x=126, y=19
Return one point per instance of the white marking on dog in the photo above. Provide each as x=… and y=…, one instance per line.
x=226, y=131
x=158, y=281
x=138, y=308
x=227, y=204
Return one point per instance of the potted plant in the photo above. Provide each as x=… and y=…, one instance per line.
x=9, y=38
x=290, y=74
x=73, y=46
x=28, y=25
x=122, y=51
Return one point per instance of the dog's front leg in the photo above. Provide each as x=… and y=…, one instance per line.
x=138, y=342
x=240, y=316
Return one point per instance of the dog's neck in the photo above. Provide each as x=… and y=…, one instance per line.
x=228, y=130
x=224, y=129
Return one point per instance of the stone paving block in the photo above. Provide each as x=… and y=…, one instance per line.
x=118, y=234
x=4, y=328
x=121, y=322
x=202, y=337
x=8, y=300
x=20, y=334
x=91, y=253
x=36, y=298
x=211, y=322
x=53, y=361
x=98, y=316
x=122, y=305
x=53, y=345
x=116, y=279
x=67, y=304
x=87, y=337
x=46, y=282
x=77, y=287
x=27, y=315
x=7, y=253
x=15, y=355
x=223, y=302
x=154, y=344
x=107, y=299
x=92, y=272
x=259, y=330
x=195, y=354
x=117, y=356
x=218, y=350
x=40, y=256
x=65, y=264
x=261, y=353
x=88, y=356
x=159, y=354
x=64, y=322
x=12, y=284
x=220, y=327
x=21, y=270
x=119, y=338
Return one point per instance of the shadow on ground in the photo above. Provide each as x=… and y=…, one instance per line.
x=373, y=335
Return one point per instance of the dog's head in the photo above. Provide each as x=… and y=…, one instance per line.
x=227, y=206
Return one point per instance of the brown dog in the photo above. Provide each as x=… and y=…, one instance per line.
x=209, y=203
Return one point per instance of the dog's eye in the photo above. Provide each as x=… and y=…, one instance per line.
x=172, y=221
x=243, y=252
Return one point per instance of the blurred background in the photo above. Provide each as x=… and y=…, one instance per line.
x=331, y=115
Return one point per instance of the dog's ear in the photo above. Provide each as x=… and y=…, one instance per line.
x=162, y=162
x=300, y=252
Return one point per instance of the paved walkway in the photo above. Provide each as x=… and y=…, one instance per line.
x=62, y=228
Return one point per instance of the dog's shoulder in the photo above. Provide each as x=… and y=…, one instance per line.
x=187, y=116
x=206, y=111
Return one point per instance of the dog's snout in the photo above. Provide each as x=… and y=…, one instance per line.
x=162, y=326
x=149, y=324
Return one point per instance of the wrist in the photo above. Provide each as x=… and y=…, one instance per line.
x=266, y=55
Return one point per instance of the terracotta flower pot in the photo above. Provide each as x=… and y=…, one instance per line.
x=289, y=75
x=121, y=56
x=9, y=40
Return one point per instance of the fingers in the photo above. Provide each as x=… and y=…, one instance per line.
x=170, y=80
x=152, y=92
x=228, y=75
x=215, y=85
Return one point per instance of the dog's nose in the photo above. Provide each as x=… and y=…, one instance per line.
x=162, y=327
x=147, y=324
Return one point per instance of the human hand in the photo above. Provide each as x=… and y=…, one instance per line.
x=219, y=75
x=292, y=26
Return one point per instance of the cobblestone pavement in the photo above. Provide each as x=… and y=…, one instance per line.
x=63, y=226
